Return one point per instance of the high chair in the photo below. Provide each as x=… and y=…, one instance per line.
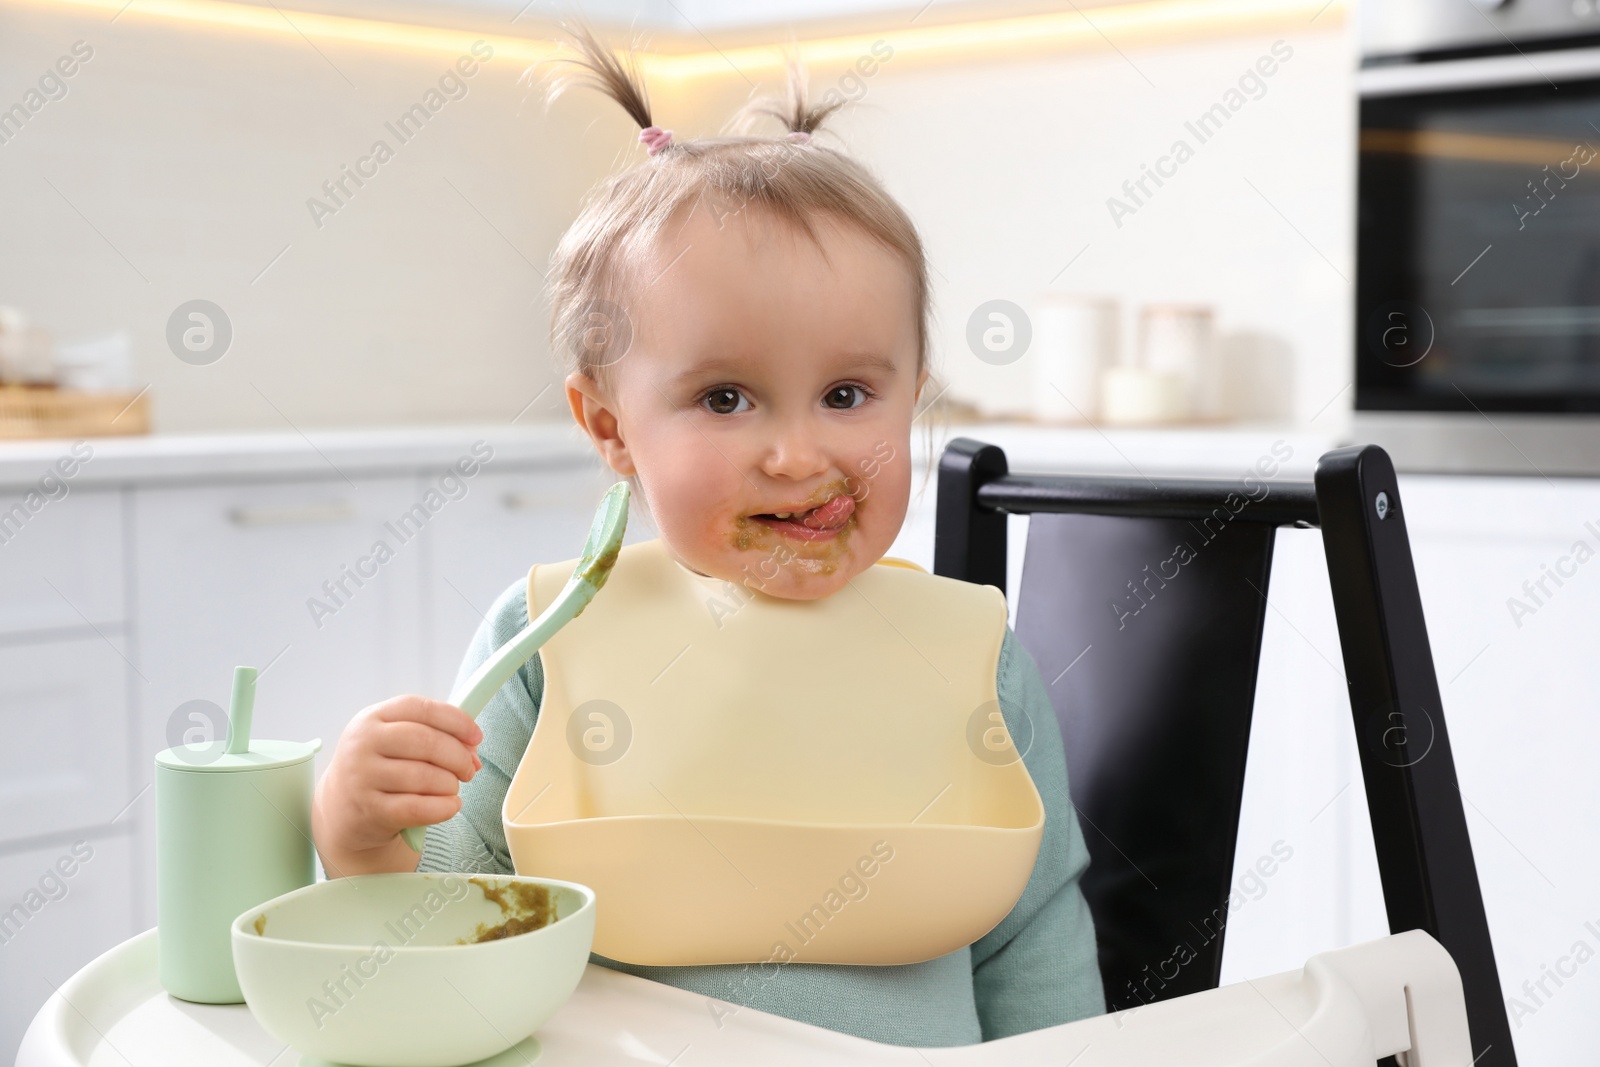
x=1156, y=755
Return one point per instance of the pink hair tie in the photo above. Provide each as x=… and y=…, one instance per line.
x=655, y=138
x=799, y=135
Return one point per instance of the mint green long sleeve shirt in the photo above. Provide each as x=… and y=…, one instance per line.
x=1037, y=968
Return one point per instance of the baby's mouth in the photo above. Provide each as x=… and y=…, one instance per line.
x=814, y=524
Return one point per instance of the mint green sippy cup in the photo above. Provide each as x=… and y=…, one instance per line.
x=233, y=830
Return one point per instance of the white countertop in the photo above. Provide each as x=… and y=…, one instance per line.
x=318, y=453
x=1192, y=451
x=1183, y=451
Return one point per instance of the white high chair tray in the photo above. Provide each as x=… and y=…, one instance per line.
x=1348, y=1007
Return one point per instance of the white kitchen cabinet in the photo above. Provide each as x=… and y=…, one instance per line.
x=61, y=905
x=64, y=715
x=61, y=567
x=1523, y=695
x=266, y=574
x=66, y=765
x=166, y=564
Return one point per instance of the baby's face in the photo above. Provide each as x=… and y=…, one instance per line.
x=766, y=401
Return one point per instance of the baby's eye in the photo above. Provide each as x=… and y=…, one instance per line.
x=839, y=397
x=724, y=401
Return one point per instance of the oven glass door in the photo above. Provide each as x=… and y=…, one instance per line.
x=1478, y=249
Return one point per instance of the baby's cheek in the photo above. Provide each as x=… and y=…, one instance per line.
x=698, y=524
x=688, y=525
x=887, y=488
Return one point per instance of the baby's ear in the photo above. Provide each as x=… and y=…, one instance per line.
x=593, y=411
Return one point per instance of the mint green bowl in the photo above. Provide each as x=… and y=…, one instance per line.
x=367, y=970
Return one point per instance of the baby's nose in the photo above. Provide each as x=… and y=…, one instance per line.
x=795, y=455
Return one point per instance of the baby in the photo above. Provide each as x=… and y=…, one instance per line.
x=748, y=319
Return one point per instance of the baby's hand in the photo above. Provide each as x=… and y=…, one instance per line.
x=398, y=764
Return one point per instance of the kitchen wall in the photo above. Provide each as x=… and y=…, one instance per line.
x=1008, y=166
x=179, y=166
x=180, y=163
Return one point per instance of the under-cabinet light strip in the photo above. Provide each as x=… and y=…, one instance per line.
x=1141, y=22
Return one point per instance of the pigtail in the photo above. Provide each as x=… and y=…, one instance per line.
x=795, y=111
x=598, y=67
x=596, y=268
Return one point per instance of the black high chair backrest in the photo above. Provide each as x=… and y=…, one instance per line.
x=1166, y=580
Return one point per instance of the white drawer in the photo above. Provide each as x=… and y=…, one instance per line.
x=64, y=719
x=62, y=565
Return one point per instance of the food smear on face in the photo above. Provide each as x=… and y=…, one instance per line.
x=261, y=925
x=807, y=543
x=526, y=906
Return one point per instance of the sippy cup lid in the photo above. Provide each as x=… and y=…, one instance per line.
x=258, y=757
x=238, y=752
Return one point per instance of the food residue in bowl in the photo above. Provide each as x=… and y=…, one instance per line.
x=526, y=906
x=261, y=925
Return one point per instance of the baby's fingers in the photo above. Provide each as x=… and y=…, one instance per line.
x=415, y=741
x=435, y=713
x=412, y=776
x=400, y=810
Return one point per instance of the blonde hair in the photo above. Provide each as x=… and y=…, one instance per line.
x=790, y=178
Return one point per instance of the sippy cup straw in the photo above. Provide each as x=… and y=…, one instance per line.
x=240, y=707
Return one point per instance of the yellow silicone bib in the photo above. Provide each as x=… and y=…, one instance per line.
x=743, y=778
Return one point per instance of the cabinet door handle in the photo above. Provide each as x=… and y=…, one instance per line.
x=293, y=514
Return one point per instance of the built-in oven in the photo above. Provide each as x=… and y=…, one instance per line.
x=1477, y=296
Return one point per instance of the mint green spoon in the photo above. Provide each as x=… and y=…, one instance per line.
x=599, y=556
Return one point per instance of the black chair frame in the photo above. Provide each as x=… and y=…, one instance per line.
x=1148, y=745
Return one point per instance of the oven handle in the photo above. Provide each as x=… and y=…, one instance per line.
x=1481, y=73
